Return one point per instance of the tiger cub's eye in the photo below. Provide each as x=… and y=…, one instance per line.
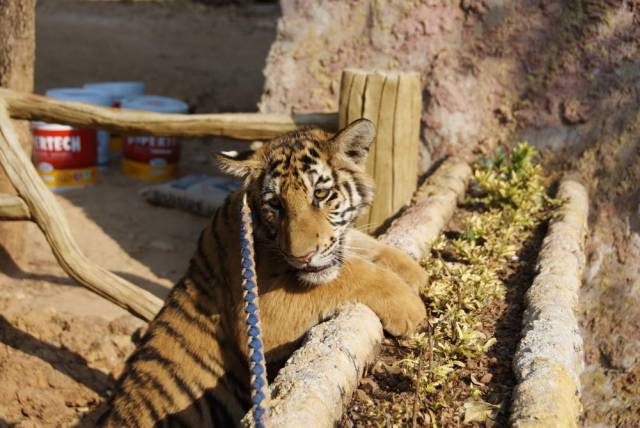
x=274, y=203
x=320, y=194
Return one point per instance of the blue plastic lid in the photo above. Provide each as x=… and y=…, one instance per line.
x=118, y=90
x=155, y=103
x=80, y=95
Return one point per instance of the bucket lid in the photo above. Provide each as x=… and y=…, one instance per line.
x=80, y=95
x=118, y=89
x=155, y=103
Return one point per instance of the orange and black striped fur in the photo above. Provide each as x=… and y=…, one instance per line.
x=305, y=189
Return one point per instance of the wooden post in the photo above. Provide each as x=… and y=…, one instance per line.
x=17, y=58
x=393, y=102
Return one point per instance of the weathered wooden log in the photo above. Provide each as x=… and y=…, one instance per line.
x=13, y=208
x=320, y=377
x=550, y=357
x=393, y=101
x=46, y=212
x=243, y=126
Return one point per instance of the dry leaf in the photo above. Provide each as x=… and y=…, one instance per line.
x=478, y=410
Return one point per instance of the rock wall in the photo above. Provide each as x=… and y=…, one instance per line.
x=317, y=39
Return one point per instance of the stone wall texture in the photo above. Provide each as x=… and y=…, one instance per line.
x=317, y=39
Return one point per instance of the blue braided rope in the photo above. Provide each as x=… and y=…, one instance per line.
x=257, y=364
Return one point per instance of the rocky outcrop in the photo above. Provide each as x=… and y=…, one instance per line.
x=317, y=39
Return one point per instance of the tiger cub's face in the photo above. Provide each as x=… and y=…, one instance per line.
x=308, y=187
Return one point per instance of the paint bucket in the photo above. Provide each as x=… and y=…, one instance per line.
x=118, y=91
x=65, y=156
x=152, y=158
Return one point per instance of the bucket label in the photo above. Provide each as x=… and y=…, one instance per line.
x=68, y=177
x=72, y=148
x=156, y=170
x=103, y=141
x=115, y=146
x=150, y=158
x=145, y=148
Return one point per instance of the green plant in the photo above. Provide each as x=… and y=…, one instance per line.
x=466, y=273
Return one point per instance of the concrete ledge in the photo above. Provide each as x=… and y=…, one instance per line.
x=550, y=358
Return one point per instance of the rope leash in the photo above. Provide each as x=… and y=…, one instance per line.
x=257, y=365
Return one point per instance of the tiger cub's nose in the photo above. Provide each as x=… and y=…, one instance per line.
x=304, y=259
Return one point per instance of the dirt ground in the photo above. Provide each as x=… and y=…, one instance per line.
x=577, y=92
x=60, y=345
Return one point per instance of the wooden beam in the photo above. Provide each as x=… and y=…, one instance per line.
x=49, y=216
x=12, y=207
x=242, y=126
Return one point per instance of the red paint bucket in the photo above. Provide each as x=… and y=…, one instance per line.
x=65, y=156
x=149, y=157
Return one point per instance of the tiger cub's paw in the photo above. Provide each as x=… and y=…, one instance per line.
x=404, y=266
x=414, y=275
x=404, y=315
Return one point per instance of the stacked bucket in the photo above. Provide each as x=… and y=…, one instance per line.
x=68, y=157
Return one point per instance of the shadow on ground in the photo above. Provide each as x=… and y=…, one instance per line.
x=60, y=358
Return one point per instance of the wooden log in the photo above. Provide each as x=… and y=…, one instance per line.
x=46, y=212
x=370, y=95
x=384, y=147
x=550, y=356
x=310, y=390
x=405, y=159
x=357, y=105
x=393, y=101
x=320, y=377
x=13, y=208
x=346, y=82
x=243, y=126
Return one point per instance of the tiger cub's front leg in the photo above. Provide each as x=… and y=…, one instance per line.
x=369, y=248
x=284, y=302
x=395, y=302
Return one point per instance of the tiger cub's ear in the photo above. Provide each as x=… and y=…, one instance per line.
x=355, y=139
x=240, y=165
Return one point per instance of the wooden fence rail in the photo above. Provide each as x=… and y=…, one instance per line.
x=13, y=208
x=242, y=126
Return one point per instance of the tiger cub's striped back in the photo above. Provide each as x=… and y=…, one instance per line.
x=188, y=370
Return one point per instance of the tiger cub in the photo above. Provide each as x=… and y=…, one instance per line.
x=305, y=189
